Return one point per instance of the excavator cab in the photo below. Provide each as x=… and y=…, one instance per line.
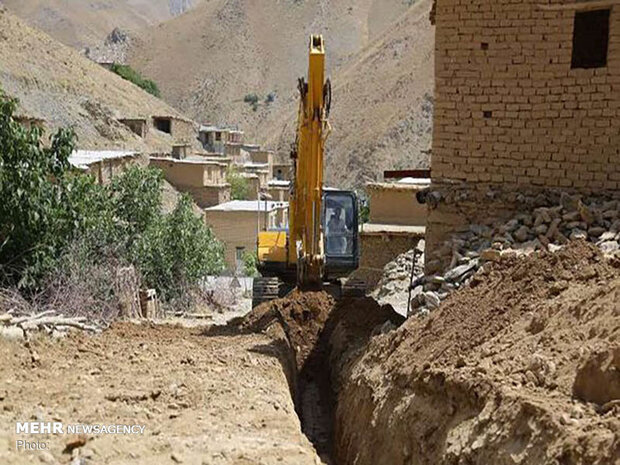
x=340, y=229
x=340, y=226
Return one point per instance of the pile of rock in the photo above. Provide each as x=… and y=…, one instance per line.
x=544, y=228
x=393, y=288
x=113, y=50
x=541, y=228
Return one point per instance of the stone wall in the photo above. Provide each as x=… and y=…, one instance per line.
x=509, y=106
x=454, y=208
x=376, y=251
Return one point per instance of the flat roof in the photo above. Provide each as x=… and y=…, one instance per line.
x=205, y=128
x=252, y=164
x=373, y=229
x=212, y=128
x=129, y=118
x=278, y=183
x=187, y=161
x=82, y=159
x=248, y=206
x=177, y=117
x=403, y=185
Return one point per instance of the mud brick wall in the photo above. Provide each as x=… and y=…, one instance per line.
x=377, y=250
x=509, y=109
x=207, y=196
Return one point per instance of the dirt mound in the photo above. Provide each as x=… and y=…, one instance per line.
x=302, y=316
x=520, y=367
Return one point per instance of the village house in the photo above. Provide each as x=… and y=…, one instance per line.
x=260, y=170
x=181, y=129
x=237, y=223
x=104, y=164
x=395, y=203
x=396, y=224
x=232, y=148
x=204, y=180
x=527, y=101
x=278, y=191
x=282, y=171
x=138, y=126
x=224, y=141
x=262, y=156
x=181, y=151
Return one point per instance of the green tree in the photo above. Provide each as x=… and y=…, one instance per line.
x=130, y=74
x=136, y=196
x=52, y=217
x=239, y=189
x=250, y=264
x=177, y=250
x=40, y=210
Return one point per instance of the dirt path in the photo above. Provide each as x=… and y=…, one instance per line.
x=202, y=400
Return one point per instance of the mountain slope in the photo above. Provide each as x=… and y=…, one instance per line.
x=207, y=61
x=57, y=84
x=379, y=56
x=382, y=105
x=80, y=23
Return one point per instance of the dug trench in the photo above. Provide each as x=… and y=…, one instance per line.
x=520, y=367
x=304, y=327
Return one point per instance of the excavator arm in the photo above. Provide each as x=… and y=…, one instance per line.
x=306, y=248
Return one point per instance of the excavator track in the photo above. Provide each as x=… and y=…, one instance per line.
x=354, y=288
x=265, y=289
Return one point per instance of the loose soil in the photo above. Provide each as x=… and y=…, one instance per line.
x=203, y=399
x=310, y=323
x=521, y=368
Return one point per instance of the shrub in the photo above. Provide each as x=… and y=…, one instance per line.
x=239, y=189
x=177, y=250
x=58, y=227
x=130, y=74
x=40, y=209
x=251, y=98
x=250, y=264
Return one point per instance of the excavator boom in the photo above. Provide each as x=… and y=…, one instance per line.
x=306, y=197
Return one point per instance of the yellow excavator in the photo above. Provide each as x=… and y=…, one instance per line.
x=321, y=243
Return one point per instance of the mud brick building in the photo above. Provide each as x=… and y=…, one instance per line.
x=203, y=179
x=527, y=96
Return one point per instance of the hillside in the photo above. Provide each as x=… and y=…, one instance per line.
x=383, y=105
x=379, y=56
x=79, y=23
x=57, y=84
